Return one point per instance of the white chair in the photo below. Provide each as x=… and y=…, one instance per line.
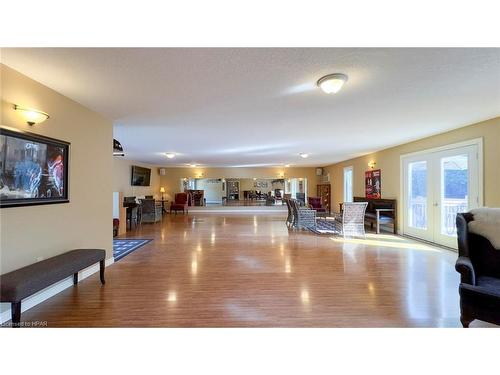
x=351, y=222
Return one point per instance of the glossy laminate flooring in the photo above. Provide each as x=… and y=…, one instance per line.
x=249, y=270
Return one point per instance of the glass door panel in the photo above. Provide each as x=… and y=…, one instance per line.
x=417, y=195
x=418, y=198
x=457, y=190
x=454, y=191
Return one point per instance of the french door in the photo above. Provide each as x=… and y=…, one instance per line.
x=438, y=185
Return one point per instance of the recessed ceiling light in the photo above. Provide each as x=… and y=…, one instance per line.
x=303, y=155
x=332, y=83
x=170, y=155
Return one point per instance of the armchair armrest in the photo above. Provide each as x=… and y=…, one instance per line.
x=466, y=269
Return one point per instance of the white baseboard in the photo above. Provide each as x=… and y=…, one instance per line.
x=52, y=290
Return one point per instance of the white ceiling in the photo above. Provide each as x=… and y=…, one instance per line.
x=260, y=107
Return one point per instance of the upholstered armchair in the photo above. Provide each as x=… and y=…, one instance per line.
x=315, y=204
x=150, y=211
x=352, y=219
x=479, y=267
x=180, y=203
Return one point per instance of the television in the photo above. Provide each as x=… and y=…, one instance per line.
x=140, y=176
x=33, y=169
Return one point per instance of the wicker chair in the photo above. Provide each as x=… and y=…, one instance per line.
x=351, y=221
x=303, y=217
x=289, y=218
x=150, y=211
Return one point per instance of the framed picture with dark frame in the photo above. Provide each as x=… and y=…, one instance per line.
x=33, y=169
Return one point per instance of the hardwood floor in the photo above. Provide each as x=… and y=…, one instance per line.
x=244, y=270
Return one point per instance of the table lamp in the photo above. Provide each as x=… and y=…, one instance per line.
x=162, y=190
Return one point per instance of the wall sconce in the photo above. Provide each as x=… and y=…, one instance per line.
x=199, y=175
x=281, y=175
x=32, y=116
x=117, y=148
x=372, y=164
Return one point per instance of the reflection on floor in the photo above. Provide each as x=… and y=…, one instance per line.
x=252, y=202
x=249, y=270
x=239, y=206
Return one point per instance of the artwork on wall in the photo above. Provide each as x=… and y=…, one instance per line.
x=373, y=184
x=33, y=169
x=260, y=184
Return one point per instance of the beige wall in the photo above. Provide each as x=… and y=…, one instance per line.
x=122, y=176
x=171, y=181
x=31, y=233
x=389, y=162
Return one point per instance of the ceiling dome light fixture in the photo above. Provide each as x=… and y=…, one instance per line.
x=332, y=83
x=32, y=116
x=170, y=155
x=303, y=155
x=192, y=165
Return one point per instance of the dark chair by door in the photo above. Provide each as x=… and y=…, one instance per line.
x=479, y=266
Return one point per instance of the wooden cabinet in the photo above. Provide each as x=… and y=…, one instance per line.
x=324, y=192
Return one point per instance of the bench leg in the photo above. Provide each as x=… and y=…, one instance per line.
x=16, y=314
x=101, y=271
x=75, y=278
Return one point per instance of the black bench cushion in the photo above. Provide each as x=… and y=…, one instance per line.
x=21, y=283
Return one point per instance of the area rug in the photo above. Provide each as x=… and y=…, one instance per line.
x=324, y=227
x=123, y=247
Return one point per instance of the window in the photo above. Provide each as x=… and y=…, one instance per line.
x=348, y=184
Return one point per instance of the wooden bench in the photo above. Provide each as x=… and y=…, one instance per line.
x=380, y=211
x=26, y=281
